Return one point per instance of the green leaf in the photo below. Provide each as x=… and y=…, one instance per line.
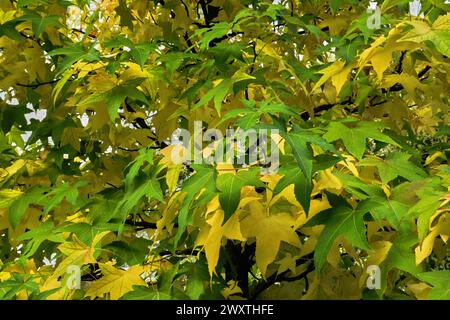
x=125, y=14
x=357, y=187
x=38, y=23
x=131, y=253
x=340, y=220
x=401, y=255
x=19, y=207
x=145, y=156
x=37, y=236
x=203, y=178
x=440, y=280
x=354, y=138
x=396, y=164
x=198, y=277
x=143, y=186
x=115, y=98
x=63, y=191
x=390, y=209
x=302, y=187
x=230, y=186
x=143, y=293
x=301, y=152
x=73, y=53
x=217, y=31
x=141, y=52
x=438, y=34
x=218, y=93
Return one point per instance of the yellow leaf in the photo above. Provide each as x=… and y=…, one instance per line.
x=232, y=229
x=433, y=157
x=60, y=84
x=409, y=82
x=115, y=281
x=77, y=253
x=327, y=180
x=231, y=289
x=381, y=60
x=328, y=72
x=72, y=136
x=213, y=241
x=240, y=76
x=288, y=194
x=269, y=231
x=173, y=169
x=7, y=196
x=424, y=249
x=420, y=290
x=11, y=170
x=339, y=79
x=287, y=263
x=367, y=54
x=376, y=256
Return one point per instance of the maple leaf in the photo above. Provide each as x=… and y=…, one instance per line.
x=396, y=164
x=269, y=231
x=354, y=138
x=340, y=220
x=115, y=281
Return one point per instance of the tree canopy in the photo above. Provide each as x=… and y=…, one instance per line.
x=91, y=92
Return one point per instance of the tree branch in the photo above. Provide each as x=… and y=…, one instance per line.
x=279, y=278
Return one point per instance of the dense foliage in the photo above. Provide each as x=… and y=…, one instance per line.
x=91, y=92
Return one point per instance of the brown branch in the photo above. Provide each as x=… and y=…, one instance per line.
x=35, y=85
x=128, y=150
x=399, y=68
x=185, y=8
x=260, y=287
x=205, y=12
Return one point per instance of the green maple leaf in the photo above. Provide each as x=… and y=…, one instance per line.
x=340, y=220
x=115, y=98
x=390, y=209
x=204, y=178
x=73, y=53
x=302, y=187
x=141, y=52
x=125, y=14
x=145, y=156
x=401, y=255
x=37, y=236
x=19, y=207
x=142, y=186
x=230, y=188
x=440, y=280
x=217, y=93
x=357, y=187
x=396, y=164
x=354, y=138
x=143, y=293
x=38, y=23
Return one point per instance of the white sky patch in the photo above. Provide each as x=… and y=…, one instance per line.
x=38, y=114
x=50, y=261
x=84, y=119
x=25, y=136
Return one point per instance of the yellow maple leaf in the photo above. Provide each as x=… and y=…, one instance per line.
x=269, y=231
x=77, y=253
x=424, y=249
x=116, y=281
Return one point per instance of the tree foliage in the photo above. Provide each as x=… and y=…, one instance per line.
x=91, y=92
